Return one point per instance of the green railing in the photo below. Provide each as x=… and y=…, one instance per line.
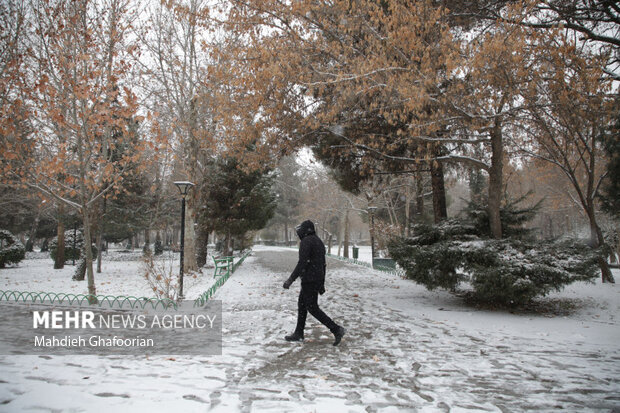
x=120, y=301
x=207, y=295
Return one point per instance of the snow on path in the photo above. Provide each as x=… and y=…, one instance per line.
x=406, y=349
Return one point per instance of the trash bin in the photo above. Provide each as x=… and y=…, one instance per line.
x=356, y=253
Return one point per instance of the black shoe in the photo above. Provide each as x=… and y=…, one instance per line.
x=294, y=337
x=338, y=334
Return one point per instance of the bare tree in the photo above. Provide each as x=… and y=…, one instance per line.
x=570, y=107
x=174, y=68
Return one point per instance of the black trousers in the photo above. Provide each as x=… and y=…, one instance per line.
x=308, y=297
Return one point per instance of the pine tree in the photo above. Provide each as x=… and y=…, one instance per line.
x=508, y=271
x=12, y=251
x=287, y=191
x=610, y=193
x=236, y=201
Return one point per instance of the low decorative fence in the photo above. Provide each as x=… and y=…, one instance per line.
x=120, y=301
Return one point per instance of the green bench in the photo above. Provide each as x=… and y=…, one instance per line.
x=384, y=263
x=223, y=265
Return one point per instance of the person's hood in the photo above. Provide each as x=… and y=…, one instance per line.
x=305, y=228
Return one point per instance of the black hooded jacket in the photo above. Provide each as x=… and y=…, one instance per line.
x=311, y=264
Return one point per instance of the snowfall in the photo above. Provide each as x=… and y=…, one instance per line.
x=406, y=349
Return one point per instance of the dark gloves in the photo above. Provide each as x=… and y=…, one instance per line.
x=322, y=288
x=287, y=284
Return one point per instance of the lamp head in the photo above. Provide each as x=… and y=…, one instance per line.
x=184, y=187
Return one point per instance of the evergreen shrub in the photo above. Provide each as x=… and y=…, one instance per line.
x=12, y=251
x=508, y=271
x=73, y=247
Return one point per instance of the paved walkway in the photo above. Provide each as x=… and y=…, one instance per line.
x=392, y=359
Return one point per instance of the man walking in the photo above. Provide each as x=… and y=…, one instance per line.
x=311, y=269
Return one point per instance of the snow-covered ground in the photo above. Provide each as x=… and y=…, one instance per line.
x=122, y=273
x=406, y=349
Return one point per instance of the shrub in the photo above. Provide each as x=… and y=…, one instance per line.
x=79, y=274
x=161, y=277
x=74, y=246
x=12, y=250
x=510, y=271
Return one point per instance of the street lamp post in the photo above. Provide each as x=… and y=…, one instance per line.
x=184, y=187
x=371, y=212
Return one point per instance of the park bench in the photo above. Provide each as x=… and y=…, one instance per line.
x=384, y=263
x=223, y=265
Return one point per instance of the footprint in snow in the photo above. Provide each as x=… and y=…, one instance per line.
x=215, y=398
x=108, y=394
x=194, y=398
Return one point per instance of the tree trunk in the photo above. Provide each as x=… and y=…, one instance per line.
x=618, y=244
x=99, y=244
x=84, y=167
x=392, y=212
x=90, y=276
x=286, y=238
x=419, y=194
x=175, y=236
x=597, y=239
x=147, y=241
x=551, y=233
x=202, y=243
x=45, y=245
x=495, y=181
x=346, y=234
x=59, y=263
x=329, y=244
x=33, y=231
x=158, y=248
x=189, y=260
x=407, y=202
x=227, y=251
x=100, y=236
x=340, y=235
x=439, y=192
